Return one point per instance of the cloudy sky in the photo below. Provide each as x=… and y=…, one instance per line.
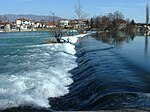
x=132, y=9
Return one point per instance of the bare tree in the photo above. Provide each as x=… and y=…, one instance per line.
x=118, y=15
x=97, y=22
x=105, y=21
x=110, y=16
x=79, y=12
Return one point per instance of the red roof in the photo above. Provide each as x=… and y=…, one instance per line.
x=23, y=19
x=50, y=24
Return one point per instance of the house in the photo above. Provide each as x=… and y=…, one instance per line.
x=73, y=23
x=64, y=23
x=147, y=27
x=50, y=25
x=23, y=23
x=78, y=23
x=37, y=24
x=5, y=26
x=84, y=22
x=2, y=25
x=8, y=27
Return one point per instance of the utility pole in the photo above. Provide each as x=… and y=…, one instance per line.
x=52, y=13
x=56, y=31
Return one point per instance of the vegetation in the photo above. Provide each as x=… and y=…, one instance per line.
x=147, y=14
x=110, y=22
x=80, y=14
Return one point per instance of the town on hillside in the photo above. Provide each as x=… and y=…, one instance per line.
x=105, y=23
x=24, y=24
x=102, y=23
x=110, y=22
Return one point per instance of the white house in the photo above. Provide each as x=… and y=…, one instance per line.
x=23, y=23
x=147, y=26
x=38, y=25
x=64, y=23
x=8, y=27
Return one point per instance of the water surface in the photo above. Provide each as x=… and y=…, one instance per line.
x=31, y=72
x=98, y=72
x=112, y=73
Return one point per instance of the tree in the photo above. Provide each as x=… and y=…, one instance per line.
x=97, y=22
x=111, y=17
x=91, y=23
x=118, y=15
x=105, y=21
x=132, y=22
x=147, y=13
x=79, y=12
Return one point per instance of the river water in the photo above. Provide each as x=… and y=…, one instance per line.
x=99, y=72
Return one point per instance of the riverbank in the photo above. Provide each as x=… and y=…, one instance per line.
x=38, y=29
x=16, y=30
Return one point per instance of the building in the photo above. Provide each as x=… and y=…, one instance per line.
x=37, y=24
x=64, y=23
x=2, y=25
x=50, y=25
x=23, y=23
x=7, y=27
x=74, y=24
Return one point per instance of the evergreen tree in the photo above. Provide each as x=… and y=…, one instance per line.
x=132, y=22
x=91, y=22
x=147, y=14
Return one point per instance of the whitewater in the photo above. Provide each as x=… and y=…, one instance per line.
x=32, y=72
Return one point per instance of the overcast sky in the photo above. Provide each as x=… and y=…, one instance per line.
x=132, y=9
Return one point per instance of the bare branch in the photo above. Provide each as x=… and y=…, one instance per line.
x=79, y=12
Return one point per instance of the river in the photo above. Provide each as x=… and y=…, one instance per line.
x=99, y=72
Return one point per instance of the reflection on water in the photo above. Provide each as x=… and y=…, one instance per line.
x=146, y=45
x=115, y=38
x=135, y=48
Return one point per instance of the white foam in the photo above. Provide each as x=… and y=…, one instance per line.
x=73, y=39
x=43, y=73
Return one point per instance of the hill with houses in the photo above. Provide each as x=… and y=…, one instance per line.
x=32, y=22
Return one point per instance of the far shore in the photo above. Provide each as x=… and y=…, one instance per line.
x=31, y=30
x=28, y=30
